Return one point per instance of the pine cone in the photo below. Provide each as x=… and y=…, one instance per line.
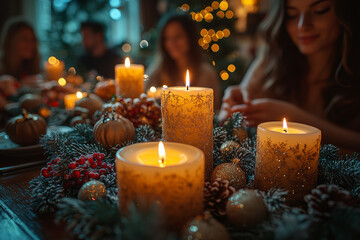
x=216, y=195
x=324, y=198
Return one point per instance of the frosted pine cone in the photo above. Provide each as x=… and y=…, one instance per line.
x=324, y=198
x=216, y=195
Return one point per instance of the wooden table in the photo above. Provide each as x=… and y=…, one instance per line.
x=17, y=220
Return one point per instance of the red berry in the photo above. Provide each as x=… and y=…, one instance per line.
x=93, y=165
x=81, y=161
x=86, y=173
x=102, y=172
x=99, y=163
x=49, y=168
x=66, y=176
x=104, y=165
x=72, y=165
x=90, y=159
x=95, y=155
x=76, y=173
x=57, y=160
x=44, y=170
x=101, y=156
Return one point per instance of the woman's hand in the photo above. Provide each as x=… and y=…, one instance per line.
x=266, y=109
x=234, y=95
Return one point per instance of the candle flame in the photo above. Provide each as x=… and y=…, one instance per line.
x=62, y=82
x=79, y=94
x=127, y=62
x=187, y=80
x=162, y=154
x=153, y=89
x=285, y=127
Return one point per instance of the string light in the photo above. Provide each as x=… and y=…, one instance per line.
x=231, y=68
x=215, y=5
x=224, y=5
x=215, y=47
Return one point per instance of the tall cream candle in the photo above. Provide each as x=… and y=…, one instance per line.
x=54, y=68
x=187, y=115
x=287, y=158
x=173, y=178
x=129, y=79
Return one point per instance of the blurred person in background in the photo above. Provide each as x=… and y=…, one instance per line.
x=20, y=59
x=97, y=55
x=178, y=51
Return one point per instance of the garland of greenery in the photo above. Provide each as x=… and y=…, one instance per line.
x=103, y=219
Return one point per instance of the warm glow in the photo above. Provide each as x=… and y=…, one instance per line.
x=165, y=86
x=215, y=47
x=153, y=89
x=187, y=79
x=127, y=62
x=79, y=94
x=224, y=75
x=285, y=127
x=62, y=82
x=223, y=5
x=231, y=68
x=53, y=61
x=162, y=154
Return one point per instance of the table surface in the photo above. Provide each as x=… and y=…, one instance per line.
x=17, y=220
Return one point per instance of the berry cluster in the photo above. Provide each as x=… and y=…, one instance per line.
x=140, y=111
x=49, y=170
x=81, y=170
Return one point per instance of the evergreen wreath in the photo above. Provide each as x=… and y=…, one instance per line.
x=338, y=179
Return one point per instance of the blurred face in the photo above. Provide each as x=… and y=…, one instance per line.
x=312, y=24
x=176, y=41
x=26, y=44
x=90, y=39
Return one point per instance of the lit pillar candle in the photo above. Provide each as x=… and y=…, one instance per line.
x=187, y=115
x=287, y=158
x=172, y=176
x=130, y=79
x=71, y=99
x=54, y=68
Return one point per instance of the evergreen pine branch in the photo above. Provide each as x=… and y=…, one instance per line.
x=46, y=193
x=275, y=200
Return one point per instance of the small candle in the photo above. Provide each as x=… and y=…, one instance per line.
x=54, y=68
x=71, y=99
x=287, y=157
x=130, y=79
x=187, y=114
x=171, y=175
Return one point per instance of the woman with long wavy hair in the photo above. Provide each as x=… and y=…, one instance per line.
x=308, y=70
x=19, y=50
x=178, y=50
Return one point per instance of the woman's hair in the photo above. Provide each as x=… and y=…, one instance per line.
x=287, y=67
x=165, y=63
x=9, y=62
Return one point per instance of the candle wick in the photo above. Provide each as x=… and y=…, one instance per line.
x=284, y=130
x=162, y=162
x=187, y=87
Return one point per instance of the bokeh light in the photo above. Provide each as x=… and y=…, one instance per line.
x=209, y=9
x=215, y=47
x=144, y=44
x=215, y=5
x=220, y=14
x=229, y=14
x=226, y=32
x=211, y=32
x=198, y=17
x=224, y=5
x=231, y=68
x=205, y=46
x=203, y=32
x=207, y=39
x=224, y=75
x=62, y=82
x=115, y=14
x=185, y=7
x=208, y=17
x=114, y=3
x=126, y=47
x=213, y=63
x=219, y=34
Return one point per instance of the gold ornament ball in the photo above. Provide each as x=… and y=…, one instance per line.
x=246, y=208
x=228, y=146
x=92, y=191
x=241, y=134
x=205, y=228
x=231, y=172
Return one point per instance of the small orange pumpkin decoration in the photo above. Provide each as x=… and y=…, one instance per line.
x=113, y=130
x=91, y=102
x=26, y=129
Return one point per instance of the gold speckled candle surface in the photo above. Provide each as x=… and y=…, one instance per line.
x=187, y=117
x=177, y=186
x=130, y=79
x=287, y=160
